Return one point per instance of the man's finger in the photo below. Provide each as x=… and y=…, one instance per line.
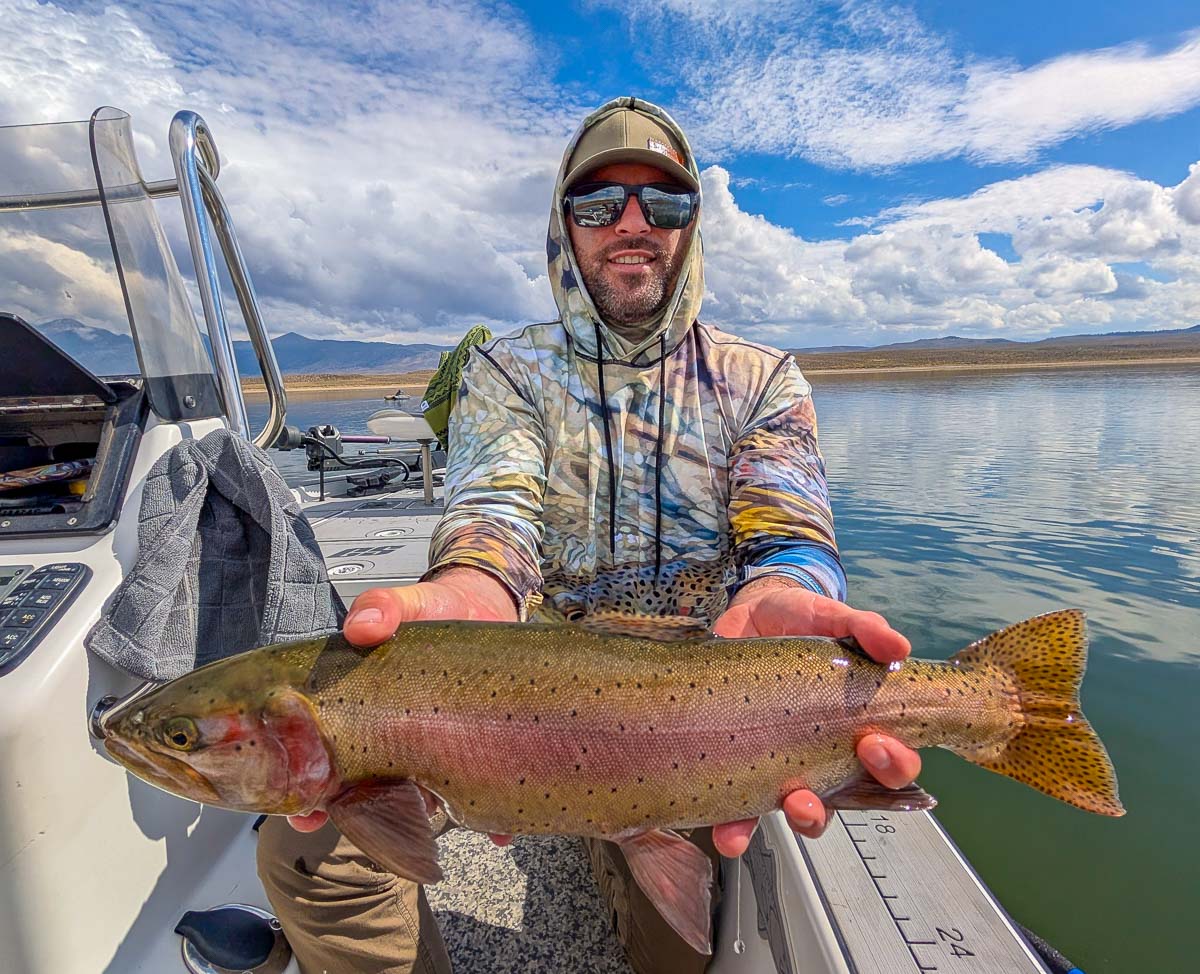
x=890, y=762
x=877, y=638
x=805, y=813
x=733, y=838
x=308, y=823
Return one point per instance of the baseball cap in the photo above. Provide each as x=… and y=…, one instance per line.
x=628, y=135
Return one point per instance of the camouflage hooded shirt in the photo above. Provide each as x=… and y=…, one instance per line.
x=587, y=471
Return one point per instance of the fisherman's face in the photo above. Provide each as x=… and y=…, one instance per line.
x=630, y=296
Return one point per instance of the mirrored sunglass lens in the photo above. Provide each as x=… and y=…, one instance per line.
x=599, y=208
x=667, y=210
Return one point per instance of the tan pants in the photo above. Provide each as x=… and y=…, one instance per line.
x=341, y=913
x=652, y=946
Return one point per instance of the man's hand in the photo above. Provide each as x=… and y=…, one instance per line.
x=777, y=607
x=456, y=593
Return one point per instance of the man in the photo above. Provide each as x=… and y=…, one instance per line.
x=629, y=457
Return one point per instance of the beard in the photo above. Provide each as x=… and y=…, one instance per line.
x=624, y=303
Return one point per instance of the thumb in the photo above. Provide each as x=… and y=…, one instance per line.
x=375, y=615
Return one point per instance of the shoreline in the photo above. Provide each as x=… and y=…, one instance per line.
x=361, y=386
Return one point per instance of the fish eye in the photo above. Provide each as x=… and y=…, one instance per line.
x=180, y=733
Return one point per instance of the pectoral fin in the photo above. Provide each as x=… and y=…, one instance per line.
x=677, y=878
x=864, y=793
x=387, y=820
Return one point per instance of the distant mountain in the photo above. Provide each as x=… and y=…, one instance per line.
x=98, y=350
x=1172, y=336
x=312, y=356
x=106, y=353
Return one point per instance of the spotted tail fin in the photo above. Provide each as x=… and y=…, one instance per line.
x=1055, y=751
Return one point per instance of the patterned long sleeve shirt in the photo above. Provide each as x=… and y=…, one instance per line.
x=588, y=471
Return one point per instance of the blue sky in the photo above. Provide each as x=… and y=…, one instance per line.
x=873, y=171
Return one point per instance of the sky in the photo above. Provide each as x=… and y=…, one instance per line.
x=872, y=172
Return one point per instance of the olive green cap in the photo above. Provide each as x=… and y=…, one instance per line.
x=627, y=135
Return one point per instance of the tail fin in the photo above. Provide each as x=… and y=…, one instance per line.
x=1055, y=751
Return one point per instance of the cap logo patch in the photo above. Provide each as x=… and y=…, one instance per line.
x=661, y=147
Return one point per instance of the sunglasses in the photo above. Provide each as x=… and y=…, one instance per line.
x=664, y=205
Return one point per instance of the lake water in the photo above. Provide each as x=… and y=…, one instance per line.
x=967, y=501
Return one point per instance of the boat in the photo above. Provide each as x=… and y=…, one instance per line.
x=398, y=396
x=100, y=872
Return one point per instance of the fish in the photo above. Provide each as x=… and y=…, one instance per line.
x=627, y=728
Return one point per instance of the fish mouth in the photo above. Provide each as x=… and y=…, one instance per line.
x=163, y=771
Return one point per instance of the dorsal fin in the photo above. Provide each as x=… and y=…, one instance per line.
x=665, y=629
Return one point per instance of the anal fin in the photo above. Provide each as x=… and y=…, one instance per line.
x=677, y=878
x=388, y=821
x=864, y=793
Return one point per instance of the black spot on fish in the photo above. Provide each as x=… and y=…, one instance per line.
x=237, y=747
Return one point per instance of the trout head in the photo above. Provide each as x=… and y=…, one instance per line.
x=252, y=752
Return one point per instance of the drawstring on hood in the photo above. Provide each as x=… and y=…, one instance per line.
x=591, y=335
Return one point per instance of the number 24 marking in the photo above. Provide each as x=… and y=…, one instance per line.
x=954, y=935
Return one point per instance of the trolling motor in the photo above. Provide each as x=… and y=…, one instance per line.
x=323, y=445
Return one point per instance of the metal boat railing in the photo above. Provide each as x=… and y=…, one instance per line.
x=197, y=165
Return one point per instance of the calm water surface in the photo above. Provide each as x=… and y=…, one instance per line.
x=968, y=501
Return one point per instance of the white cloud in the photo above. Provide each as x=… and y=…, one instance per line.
x=868, y=86
x=389, y=174
x=920, y=270
x=386, y=170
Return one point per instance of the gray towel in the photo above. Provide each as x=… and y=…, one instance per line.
x=226, y=562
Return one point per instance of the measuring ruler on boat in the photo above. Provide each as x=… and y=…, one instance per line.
x=902, y=899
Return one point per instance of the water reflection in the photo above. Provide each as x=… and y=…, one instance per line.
x=1023, y=492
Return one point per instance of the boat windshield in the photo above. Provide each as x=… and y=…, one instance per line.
x=84, y=260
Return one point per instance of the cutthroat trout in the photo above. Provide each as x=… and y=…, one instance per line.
x=620, y=727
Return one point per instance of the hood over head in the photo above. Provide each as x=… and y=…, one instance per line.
x=579, y=314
